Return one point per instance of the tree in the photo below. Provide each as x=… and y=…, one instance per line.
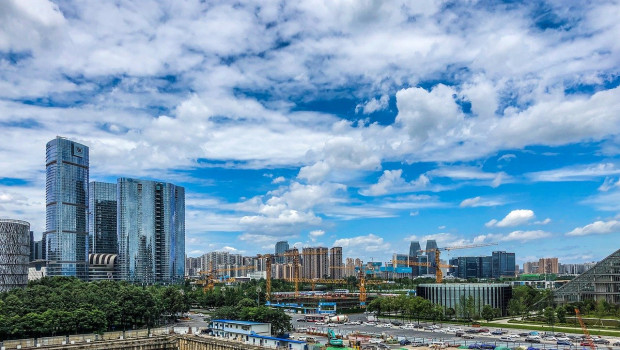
x=450, y=313
x=560, y=313
x=488, y=313
x=549, y=315
x=515, y=307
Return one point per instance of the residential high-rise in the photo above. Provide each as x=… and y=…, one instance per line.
x=281, y=248
x=66, y=214
x=151, y=231
x=530, y=267
x=102, y=218
x=430, y=245
x=548, y=265
x=335, y=263
x=315, y=262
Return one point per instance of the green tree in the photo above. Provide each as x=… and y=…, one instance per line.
x=560, y=313
x=549, y=315
x=515, y=307
x=488, y=313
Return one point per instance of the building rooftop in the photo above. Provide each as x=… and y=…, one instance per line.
x=280, y=339
x=247, y=323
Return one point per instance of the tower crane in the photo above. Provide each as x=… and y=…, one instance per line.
x=585, y=330
x=437, y=264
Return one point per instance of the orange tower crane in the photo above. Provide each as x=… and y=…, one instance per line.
x=585, y=330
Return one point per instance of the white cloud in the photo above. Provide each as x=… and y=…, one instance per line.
x=315, y=234
x=514, y=218
x=373, y=105
x=521, y=236
x=278, y=180
x=367, y=243
x=507, y=157
x=576, y=173
x=481, y=202
x=391, y=181
x=608, y=184
x=543, y=222
x=470, y=173
x=596, y=228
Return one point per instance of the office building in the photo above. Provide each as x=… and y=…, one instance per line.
x=503, y=264
x=548, y=265
x=281, y=248
x=151, y=231
x=315, y=263
x=66, y=198
x=431, y=245
x=414, y=252
x=192, y=267
x=14, y=253
x=102, y=218
x=335, y=263
x=452, y=296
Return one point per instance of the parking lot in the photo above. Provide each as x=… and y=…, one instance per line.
x=443, y=335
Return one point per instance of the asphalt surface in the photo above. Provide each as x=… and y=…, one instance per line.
x=427, y=336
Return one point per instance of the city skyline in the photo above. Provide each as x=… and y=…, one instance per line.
x=362, y=125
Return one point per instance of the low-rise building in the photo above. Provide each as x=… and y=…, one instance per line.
x=253, y=333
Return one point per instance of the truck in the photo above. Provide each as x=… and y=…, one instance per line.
x=337, y=318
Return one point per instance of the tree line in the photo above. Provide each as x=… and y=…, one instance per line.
x=66, y=305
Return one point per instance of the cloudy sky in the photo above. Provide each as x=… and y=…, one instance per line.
x=359, y=123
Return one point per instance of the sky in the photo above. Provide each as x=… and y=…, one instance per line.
x=354, y=123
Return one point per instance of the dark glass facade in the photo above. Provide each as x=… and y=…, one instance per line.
x=151, y=231
x=14, y=253
x=430, y=245
x=281, y=248
x=66, y=197
x=503, y=264
x=452, y=295
x=414, y=252
x=102, y=218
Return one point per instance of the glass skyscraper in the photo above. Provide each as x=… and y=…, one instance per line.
x=281, y=248
x=102, y=218
x=66, y=199
x=151, y=231
x=430, y=245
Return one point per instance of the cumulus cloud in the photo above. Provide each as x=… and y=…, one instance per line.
x=278, y=180
x=514, y=218
x=391, y=181
x=367, y=243
x=543, y=222
x=315, y=234
x=373, y=105
x=596, y=228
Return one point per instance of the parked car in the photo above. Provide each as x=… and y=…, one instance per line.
x=506, y=339
x=532, y=339
x=459, y=334
x=584, y=343
x=616, y=343
x=405, y=342
x=497, y=332
x=601, y=341
x=301, y=320
x=564, y=342
x=564, y=338
x=533, y=348
x=468, y=336
x=486, y=334
x=550, y=338
x=524, y=334
x=483, y=330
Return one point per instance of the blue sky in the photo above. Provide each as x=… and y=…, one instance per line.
x=365, y=124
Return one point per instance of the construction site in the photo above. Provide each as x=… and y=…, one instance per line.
x=322, y=283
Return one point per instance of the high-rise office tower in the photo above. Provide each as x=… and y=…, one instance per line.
x=431, y=244
x=102, y=218
x=66, y=198
x=503, y=264
x=281, y=248
x=335, y=263
x=151, y=231
x=414, y=252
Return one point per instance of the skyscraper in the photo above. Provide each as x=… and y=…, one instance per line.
x=151, y=231
x=281, y=248
x=414, y=252
x=335, y=263
x=431, y=244
x=66, y=198
x=102, y=218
